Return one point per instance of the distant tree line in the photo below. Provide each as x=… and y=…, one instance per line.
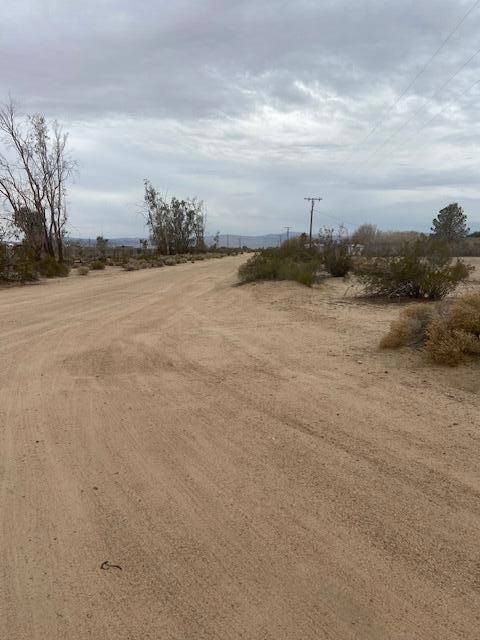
x=449, y=227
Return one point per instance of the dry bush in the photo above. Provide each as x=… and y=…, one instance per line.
x=449, y=332
x=132, y=265
x=410, y=328
x=454, y=334
x=465, y=313
x=83, y=271
x=446, y=345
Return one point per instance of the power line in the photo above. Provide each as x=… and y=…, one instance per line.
x=439, y=113
x=415, y=133
x=407, y=89
x=339, y=221
x=379, y=124
x=415, y=113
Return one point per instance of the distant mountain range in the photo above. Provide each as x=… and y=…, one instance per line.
x=225, y=240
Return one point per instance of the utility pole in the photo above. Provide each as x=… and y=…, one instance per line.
x=288, y=232
x=312, y=200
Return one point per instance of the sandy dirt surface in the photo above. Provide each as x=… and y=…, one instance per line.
x=247, y=457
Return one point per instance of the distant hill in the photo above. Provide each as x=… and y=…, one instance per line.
x=225, y=240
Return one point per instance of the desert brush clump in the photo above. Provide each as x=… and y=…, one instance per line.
x=410, y=328
x=424, y=270
x=448, y=332
x=83, y=270
x=293, y=260
x=135, y=265
x=97, y=265
x=48, y=267
x=337, y=259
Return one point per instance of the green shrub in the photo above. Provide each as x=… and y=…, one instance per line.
x=97, y=265
x=49, y=268
x=291, y=261
x=83, y=271
x=449, y=332
x=336, y=254
x=18, y=270
x=424, y=271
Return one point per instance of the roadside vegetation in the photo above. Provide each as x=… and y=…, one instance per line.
x=399, y=266
x=387, y=265
x=336, y=252
x=448, y=332
x=293, y=260
x=35, y=169
x=424, y=270
x=97, y=265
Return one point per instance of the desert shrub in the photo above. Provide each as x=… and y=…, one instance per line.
x=447, y=345
x=97, y=265
x=449, y=331
x=136, y=265
x=410, y=329
x=291, y=261
x=49, y=268
x=17, y=270
x=424, y=270
x=83, y=271
x=464, y=313
x=336, y=254
x=170, y=261
x=454, y=334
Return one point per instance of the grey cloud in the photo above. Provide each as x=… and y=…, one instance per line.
x=250, y=104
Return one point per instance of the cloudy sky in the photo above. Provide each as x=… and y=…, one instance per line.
x=254, y=104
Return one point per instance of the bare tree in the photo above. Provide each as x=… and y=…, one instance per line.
x=34, y=173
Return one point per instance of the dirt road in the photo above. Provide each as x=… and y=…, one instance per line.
x=251, y=463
